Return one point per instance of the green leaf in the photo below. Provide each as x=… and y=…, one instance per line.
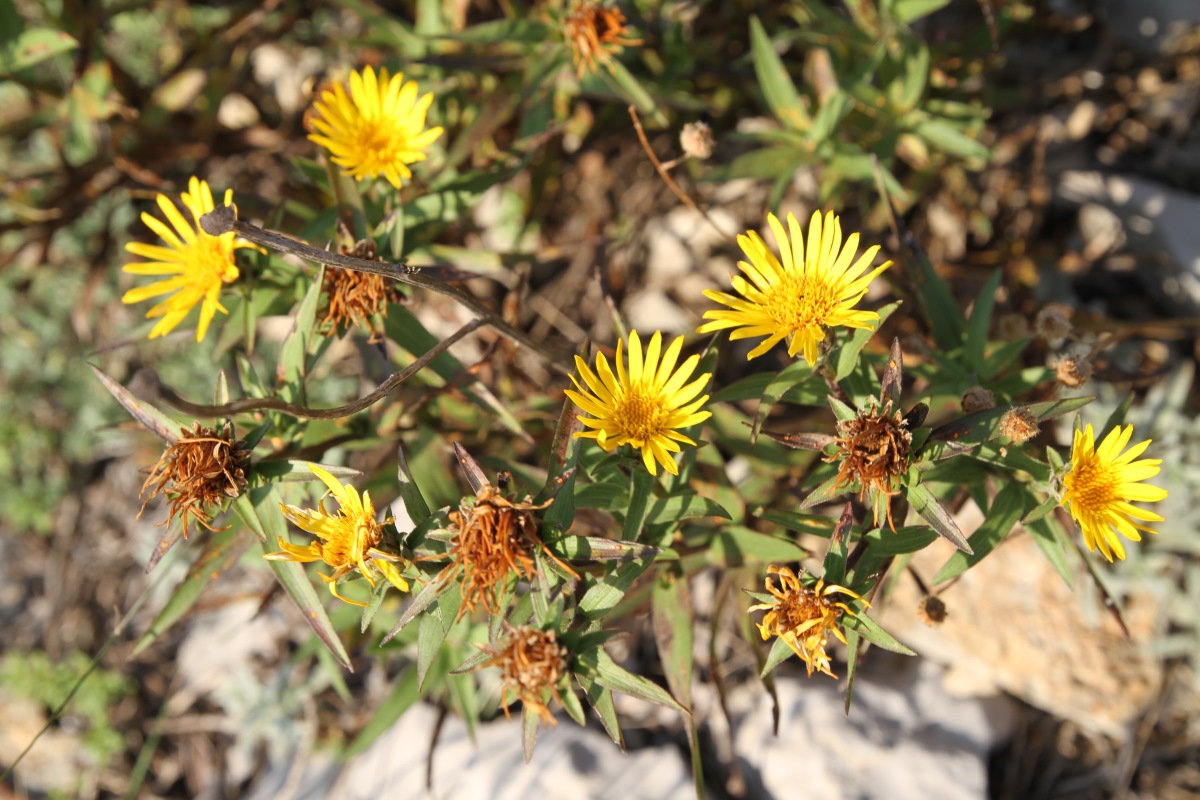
x=735, y=545
x=829, y=116
x=503, y=31
x=846, y=357
x=823, y=493
x=938, y=301
x=778, y=89
x=601, y=699
x=153, y=420
x=983, y=426
x=1117, y=417
x=259, y=510
x=949, y=139
x=410, y=493
x=780, y=652
x=531, y=723
x=791, y=375
x=595, y=548
x=815, y=524
x=299, y=471
x=910, y=539
x=607, y=592
x=1049, y=537
x=811, y=392
x=293, y=356
x=916, y=74
x=403, y=696
x=925, y=504
x=221, y=550
x=1004, y=514
x=906, y=11
x=599, y=664
x=683, y=505
x=1043, y=508
x=423, y=600
x=629, y=88
x=435, y=624
x=977, y=327
x=671, y=618
x=870, y=630
x=852, y=647
x=841, y=411
x=602, y=496
x=31, y=47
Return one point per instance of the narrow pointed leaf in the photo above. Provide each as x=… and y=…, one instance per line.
x=672, y=624
x=791, y=375
x=892, y=380
x=977, y=327
x=925, y=504
x=470, y=468
x=601, y=699
x=150, y=417
x=871, y=631
x=607, y=672
x=780, y=652
x=777, y=87
x=1003, y=514
x=802, y=441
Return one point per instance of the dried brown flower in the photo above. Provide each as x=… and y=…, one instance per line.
x=874, y=451
x=495, y=537
x=353, y=297
x=531, y=662
x=198, y=471
x=1073, y=371
x=1053, y=324
x=696, y=139
x=595, y=33
x=977, y=398
x=1019, y=425
x=932, y=611
x=1013, y=327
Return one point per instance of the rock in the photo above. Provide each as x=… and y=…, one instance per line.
x=1015, y=626
x=904, y=732
x=1158, y=225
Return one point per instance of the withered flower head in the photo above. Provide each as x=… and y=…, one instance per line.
x=353, y=297
x=1053, y=324
x=496, y=536
x=696, y=139
x=531, y=663
x=595, y=33
x=1019, y=424
x=196, y=472
x=932, y=611
x=977, y=398
x=1013, y=327
x=1073, y=371
x=804, y=616
x=874, y=451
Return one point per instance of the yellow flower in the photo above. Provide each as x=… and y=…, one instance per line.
x=801, y=297
x=347, y=540
x=644, y=404
x=200, y=263
x=804, y=616
x=1103, y=482
x=377, y=129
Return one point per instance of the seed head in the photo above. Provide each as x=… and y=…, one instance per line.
x=1013, y=327
x=595, y=33
x=531, y=663
x=977, y=398
x=1073, y=371
x=353, y=297
x=1019, y=425
x=874, y=451
x=932, y=611
x=1053, y=324
x=696, y=139
x=196, y=472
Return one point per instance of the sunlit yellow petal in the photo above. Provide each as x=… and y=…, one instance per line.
x=797, y=296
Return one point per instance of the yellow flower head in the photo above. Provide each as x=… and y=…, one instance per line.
x=802, y=296
x=804, y=616
x=198, y=264
x=378, y=129
x=1102, y=484
x=347, y=540
x=643, y=404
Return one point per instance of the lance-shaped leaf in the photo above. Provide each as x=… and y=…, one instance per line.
x=601, y=699
x=803, y=441
x=423, y=600
x=893, y=375
x=596, y=548
x=683, y=505
x=221, y=549
x=842, y=411
x=982, y=426
x=259, y=510
x=606, y=593
x=846, y=357
x=925, y=504
x=672, y=624
x=293, y=471
x=599, y=664
x=780, y=651
x=777, y=87
x=470, y=468
x=870, y=630
x=735, y=545
x=791, y=375
x=435, y=624
x=403, y=696
x=977, y=326
x=560, y=475
x=1003, y=514
x=151, y=418
x=824, y=493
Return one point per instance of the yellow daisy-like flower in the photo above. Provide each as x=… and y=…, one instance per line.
x=1102, y=484
x=199, y=263
x=347, y=540
x=802, y=296
x=804, y=616
x=378, y=129
x=643, y=405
